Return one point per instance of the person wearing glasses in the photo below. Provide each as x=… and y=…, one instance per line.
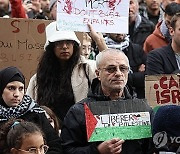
x=110, y=85
x=63, y=75
x=15, y=104
x=22, y=137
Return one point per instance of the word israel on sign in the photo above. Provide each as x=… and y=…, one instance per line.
x=122, y=125
x=163, y=89
x=106, y=16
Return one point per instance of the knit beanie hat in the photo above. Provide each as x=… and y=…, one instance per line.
x=167, y=119
x=8, y=75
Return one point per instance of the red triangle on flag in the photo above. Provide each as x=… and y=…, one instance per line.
x=90, y=121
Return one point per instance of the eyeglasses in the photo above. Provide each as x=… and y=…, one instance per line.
x=43, y=149
x=113, y=69
x=61, y=43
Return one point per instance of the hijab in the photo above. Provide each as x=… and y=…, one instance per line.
x=8, y=75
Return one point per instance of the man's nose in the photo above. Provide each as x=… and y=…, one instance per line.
x=118, y=71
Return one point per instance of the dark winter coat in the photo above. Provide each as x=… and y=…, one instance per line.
x=140, y=34
x=73, y=134
x=162, y=61
x=136, y=57
x=38, y=117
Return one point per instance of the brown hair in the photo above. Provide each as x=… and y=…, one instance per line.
x=174, y=19
x=57, y=123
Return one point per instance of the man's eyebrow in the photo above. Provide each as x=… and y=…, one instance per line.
x=111, y=65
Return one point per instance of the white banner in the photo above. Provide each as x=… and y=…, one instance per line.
x=109, y=16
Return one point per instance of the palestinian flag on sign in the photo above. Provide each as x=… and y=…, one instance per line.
x=126, y=119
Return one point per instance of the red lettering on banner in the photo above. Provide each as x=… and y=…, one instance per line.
x=166, y=95
x=170, y=91
x=162, y=84
x=173, y=83
x=98, y=21
x=68, y=6
x=12, y=24
x=15, y=23
x=175, y=95
x=112, y=4
x=41, y=28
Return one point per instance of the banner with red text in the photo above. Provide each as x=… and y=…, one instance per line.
x=22, y=43
x=162, y=89
x=106, y=16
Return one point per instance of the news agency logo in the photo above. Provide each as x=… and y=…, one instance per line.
x=160, y=139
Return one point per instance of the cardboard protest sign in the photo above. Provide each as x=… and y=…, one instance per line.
x=105, y=16
x=126, y=119
x=21, y=44
x=162, y=89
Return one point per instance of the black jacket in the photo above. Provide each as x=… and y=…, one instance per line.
x=136, y=57
x=161, y=61
x=140, y=34
x=53, y=141
x=73, y=134
x=51, y=137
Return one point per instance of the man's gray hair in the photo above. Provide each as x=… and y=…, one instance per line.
x=101, y=54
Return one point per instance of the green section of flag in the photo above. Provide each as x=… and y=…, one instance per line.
x=123, y=132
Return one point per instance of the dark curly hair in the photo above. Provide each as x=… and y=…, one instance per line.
x=53, y=79
x=12, y=133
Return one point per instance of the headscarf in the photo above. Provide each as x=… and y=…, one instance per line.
x=8, y=75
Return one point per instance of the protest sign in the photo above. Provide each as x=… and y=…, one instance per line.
x=21, y=43
x=105, y=16
x=125, y=119
x=162, y=89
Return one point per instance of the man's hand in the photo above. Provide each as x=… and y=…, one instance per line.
x=98, y=38
x=113, y=146
x=142, y=68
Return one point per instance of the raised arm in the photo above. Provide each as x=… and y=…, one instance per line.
x=98, y=38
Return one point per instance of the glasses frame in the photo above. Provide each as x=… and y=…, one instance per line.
x=113, y=69
x=39, y=149
x=61, y=43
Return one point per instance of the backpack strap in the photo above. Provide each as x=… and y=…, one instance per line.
x=89, y=82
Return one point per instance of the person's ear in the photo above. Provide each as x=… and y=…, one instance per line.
x=171, y=31
x=14, y=151
x=98, y=73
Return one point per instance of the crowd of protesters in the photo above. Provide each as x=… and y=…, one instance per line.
x=102, y=67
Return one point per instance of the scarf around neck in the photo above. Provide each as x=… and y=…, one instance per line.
x=26, y=105
x=117, y=45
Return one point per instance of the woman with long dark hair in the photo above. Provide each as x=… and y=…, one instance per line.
x=63, y=75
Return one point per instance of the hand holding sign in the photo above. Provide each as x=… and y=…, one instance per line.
x=112, y=146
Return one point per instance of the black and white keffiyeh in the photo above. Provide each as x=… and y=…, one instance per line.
x=117, y=45
x=26, y=105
